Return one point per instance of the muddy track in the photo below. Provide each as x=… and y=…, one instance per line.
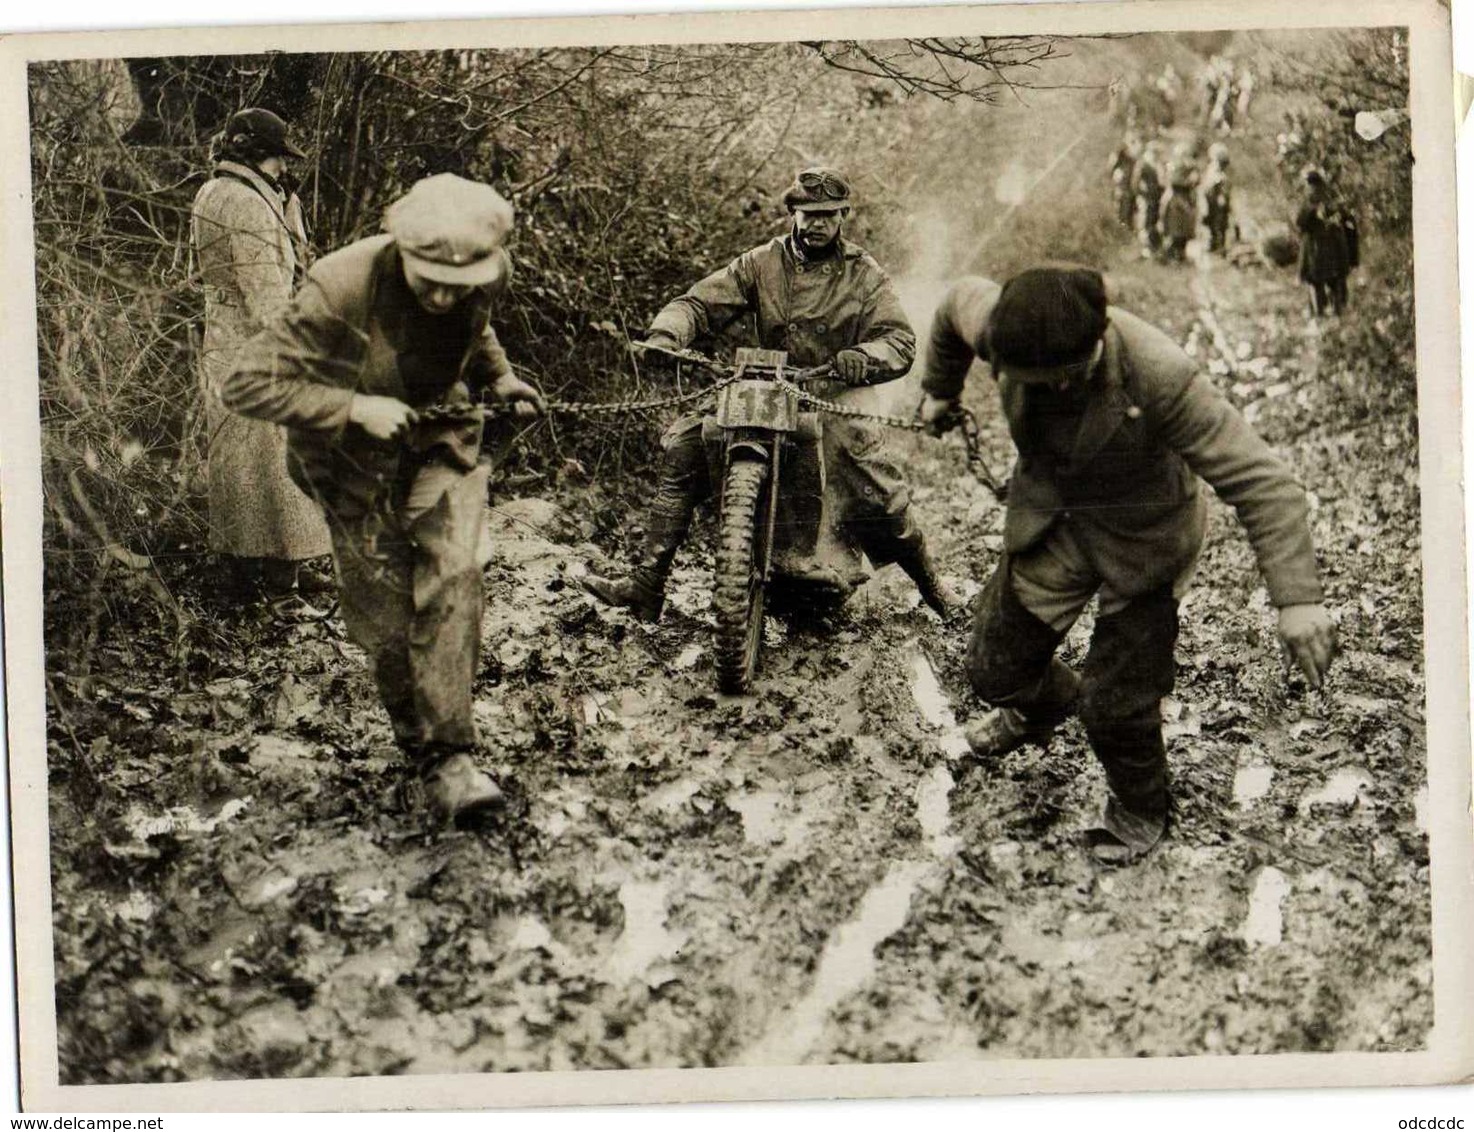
x=815, y=872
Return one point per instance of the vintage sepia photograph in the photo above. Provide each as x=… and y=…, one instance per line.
x=810, y=550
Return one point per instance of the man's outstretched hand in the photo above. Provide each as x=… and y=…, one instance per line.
x=1308, y=635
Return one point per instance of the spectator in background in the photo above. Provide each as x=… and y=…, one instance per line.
x=1246, y=92
x=1123, y=166
x=1329, y=244
x=1179, y=217
x=250, y=246
x=1216, y=198
x=1147, y=183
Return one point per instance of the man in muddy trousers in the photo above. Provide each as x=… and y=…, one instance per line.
x=1113, y=426
x=823, y=300
x=375, y=369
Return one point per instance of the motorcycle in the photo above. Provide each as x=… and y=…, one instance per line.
x=778, y=534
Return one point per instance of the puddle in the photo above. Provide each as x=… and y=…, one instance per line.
x=688, y=658
x=1250, y=783
x=932, y=702
x=181, y=819
x=933, y=793
x=1266, y=923
x=645, y=939
x=759, y=810
x=672, y=796
x=531, y=934
x=138, y=907
x=933, y=810
x=848, y=960
x=1341, y=789
x=1420, y=809
x=269, y=888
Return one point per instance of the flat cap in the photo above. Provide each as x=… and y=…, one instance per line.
x=261, y=131
x=450, y=229
x=1048, y=317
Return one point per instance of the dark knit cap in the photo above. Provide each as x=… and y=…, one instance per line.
x=1048, y=316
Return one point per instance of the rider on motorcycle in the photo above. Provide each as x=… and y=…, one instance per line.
x=821, y=299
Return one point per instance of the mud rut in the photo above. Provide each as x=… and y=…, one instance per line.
x=814, y=873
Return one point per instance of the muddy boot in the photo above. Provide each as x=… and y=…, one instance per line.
x=1123, y=837
x=283, y=595
x=642, y=593
x=682, y=484
x=1002, y=730
x=1047, y=704
x=456, y=788
x=941, y=598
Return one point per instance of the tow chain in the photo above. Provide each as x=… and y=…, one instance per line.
x=616, y=408
x=963, y=419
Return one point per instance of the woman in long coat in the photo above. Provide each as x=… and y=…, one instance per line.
x=250, y=242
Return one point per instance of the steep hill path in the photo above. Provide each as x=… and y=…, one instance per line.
x=816, y=872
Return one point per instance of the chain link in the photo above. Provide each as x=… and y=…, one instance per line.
x=616, y=408
x=834, y=408
x=966, y=421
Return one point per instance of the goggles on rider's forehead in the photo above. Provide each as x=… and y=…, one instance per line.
x=826, y=184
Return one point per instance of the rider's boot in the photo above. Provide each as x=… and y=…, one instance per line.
x=916, y=560
x=643, y=592
x=669, y=520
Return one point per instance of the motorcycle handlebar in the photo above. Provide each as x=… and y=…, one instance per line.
x=796, y=376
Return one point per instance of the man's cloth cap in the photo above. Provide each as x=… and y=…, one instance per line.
x=450, y=229
x=262, y=131
x=818, y=189
x=1048, y=317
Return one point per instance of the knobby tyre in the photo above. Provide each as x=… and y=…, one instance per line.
x=738, y=596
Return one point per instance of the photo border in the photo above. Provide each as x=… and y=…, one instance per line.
x=1450, y=1052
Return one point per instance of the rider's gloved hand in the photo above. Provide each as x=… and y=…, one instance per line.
x=939, y=414
x=524, y=398
x=660, y=340
x=851, y=366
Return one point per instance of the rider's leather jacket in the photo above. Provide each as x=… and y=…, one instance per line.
x=811, y=308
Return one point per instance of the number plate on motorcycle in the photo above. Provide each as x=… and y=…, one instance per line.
x=757, y=404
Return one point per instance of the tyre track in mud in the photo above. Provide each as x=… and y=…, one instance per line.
x=1252, y=929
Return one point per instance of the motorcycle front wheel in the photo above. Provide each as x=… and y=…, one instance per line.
x=737, y=598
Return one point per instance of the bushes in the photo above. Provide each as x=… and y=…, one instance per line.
x=633, y=170
x=1365, y=69
x=1370, y=357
